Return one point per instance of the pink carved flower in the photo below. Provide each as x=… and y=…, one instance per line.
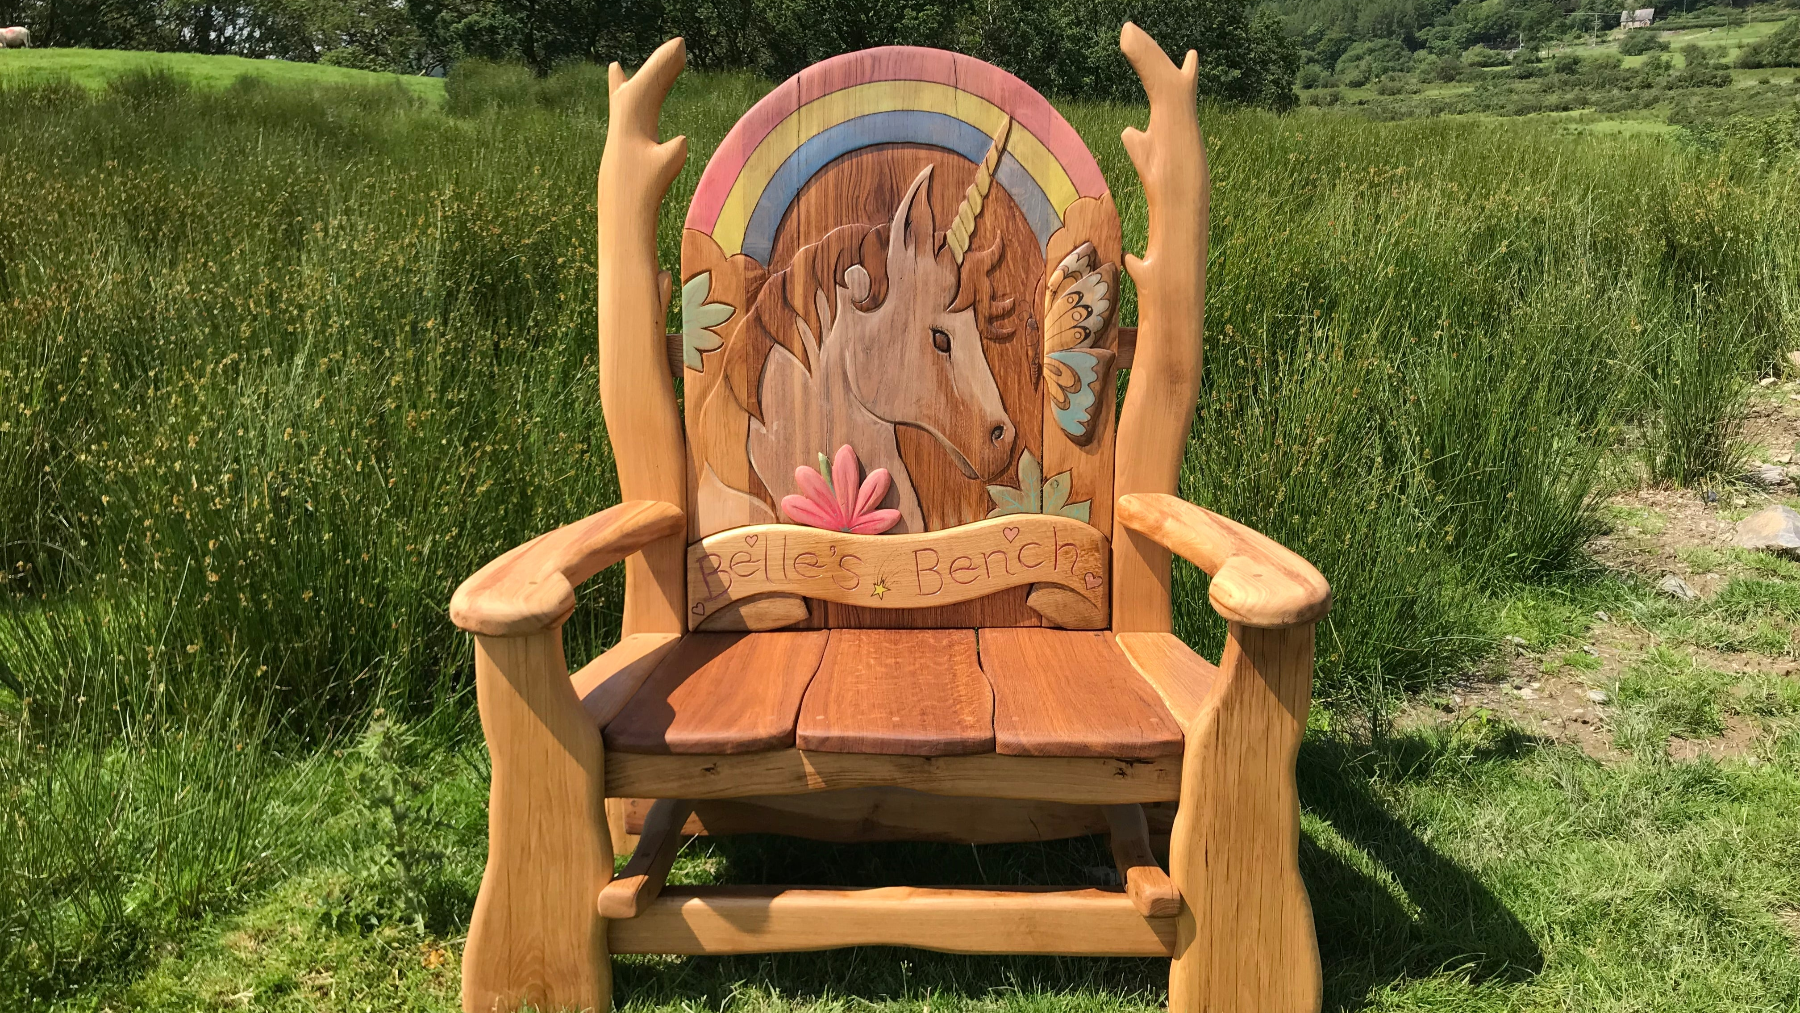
x=838, y=502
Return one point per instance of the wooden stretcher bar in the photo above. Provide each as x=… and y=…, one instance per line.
x=722, y=919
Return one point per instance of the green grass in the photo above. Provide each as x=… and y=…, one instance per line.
x=1459, y=866
x=95, y=68
x=279, y=366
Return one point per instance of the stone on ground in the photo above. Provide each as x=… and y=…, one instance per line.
x=1775, y=529
x=1677, y=588
x=1768, y=475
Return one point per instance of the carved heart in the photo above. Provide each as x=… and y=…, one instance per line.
x=750, y=540
x=1010, y=533
x=1092, y=580
x=700, y=609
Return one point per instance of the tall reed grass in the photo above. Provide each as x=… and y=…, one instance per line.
x=279, y=367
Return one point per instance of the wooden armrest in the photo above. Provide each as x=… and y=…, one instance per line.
x=532, y=588
x=1255, y=580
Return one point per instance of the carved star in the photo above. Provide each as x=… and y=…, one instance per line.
x=881, y=587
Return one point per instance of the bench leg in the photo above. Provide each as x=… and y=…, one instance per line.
x=1244, y=940
x=536, y=936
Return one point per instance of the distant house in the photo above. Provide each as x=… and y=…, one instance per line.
x=1639, y=18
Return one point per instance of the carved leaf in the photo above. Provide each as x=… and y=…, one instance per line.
x=698, y=320
x=1035, y=496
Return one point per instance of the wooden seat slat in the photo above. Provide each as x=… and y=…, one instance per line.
x=1072, y=693
x=721, y=693
x=899, y=692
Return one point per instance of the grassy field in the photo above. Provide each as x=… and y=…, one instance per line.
x=279, y=366
x=95, y=68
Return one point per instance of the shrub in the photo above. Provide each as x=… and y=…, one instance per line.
x=1370, y=61
x=1442, y=69
x=1780, y=49
x=1482, y=56
x=1640, y=41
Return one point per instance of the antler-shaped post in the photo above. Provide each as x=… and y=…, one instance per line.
x=636, y=393
x=1171, y=279
x=1244, y=939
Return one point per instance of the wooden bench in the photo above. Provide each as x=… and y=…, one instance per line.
x=897, y=567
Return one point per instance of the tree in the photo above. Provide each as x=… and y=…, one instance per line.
x=1071, y=47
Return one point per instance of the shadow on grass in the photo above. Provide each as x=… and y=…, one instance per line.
x=1388, y=906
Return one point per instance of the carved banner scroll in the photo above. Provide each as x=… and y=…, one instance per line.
x=904, y=571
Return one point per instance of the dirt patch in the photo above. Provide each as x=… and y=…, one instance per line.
x=1739, y=739
x=1772, y=422
x=1790, y=920
x=1651, y=531
x=1554, y=707
x=1565, y=694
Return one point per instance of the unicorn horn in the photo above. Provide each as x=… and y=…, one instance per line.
x=970, y=209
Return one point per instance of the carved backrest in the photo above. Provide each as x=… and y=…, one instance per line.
x=898, y=282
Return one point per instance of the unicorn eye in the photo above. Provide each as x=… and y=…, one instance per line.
x=940, y=341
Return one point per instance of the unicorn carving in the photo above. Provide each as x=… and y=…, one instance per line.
x=867, y=330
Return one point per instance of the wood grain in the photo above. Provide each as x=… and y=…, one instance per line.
x=643, y=877
x=1182, y=678
x=532, y=587
x=722, y=490
x=1071, y=693
x=760, y=612
x=898, y=692
x=624, y=842
x=894, y=571
x=1245, y=936
x=1002, y=608
x=711, y=920
x=1127, y=348
x=1060, y=607
x=1255, y=580
x=865, y=186
x=1171, y=278
x=636, y=394
x=534, y=936
x=1146, y=883
x=889, y=814
x=719, y=693
x=1076, y=780
x=607, y=683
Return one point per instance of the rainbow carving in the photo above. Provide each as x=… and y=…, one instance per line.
x=896, y=94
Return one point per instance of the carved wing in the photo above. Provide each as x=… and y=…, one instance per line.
x=1078, y=305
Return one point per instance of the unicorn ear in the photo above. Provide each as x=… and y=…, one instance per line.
x=914, y=227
